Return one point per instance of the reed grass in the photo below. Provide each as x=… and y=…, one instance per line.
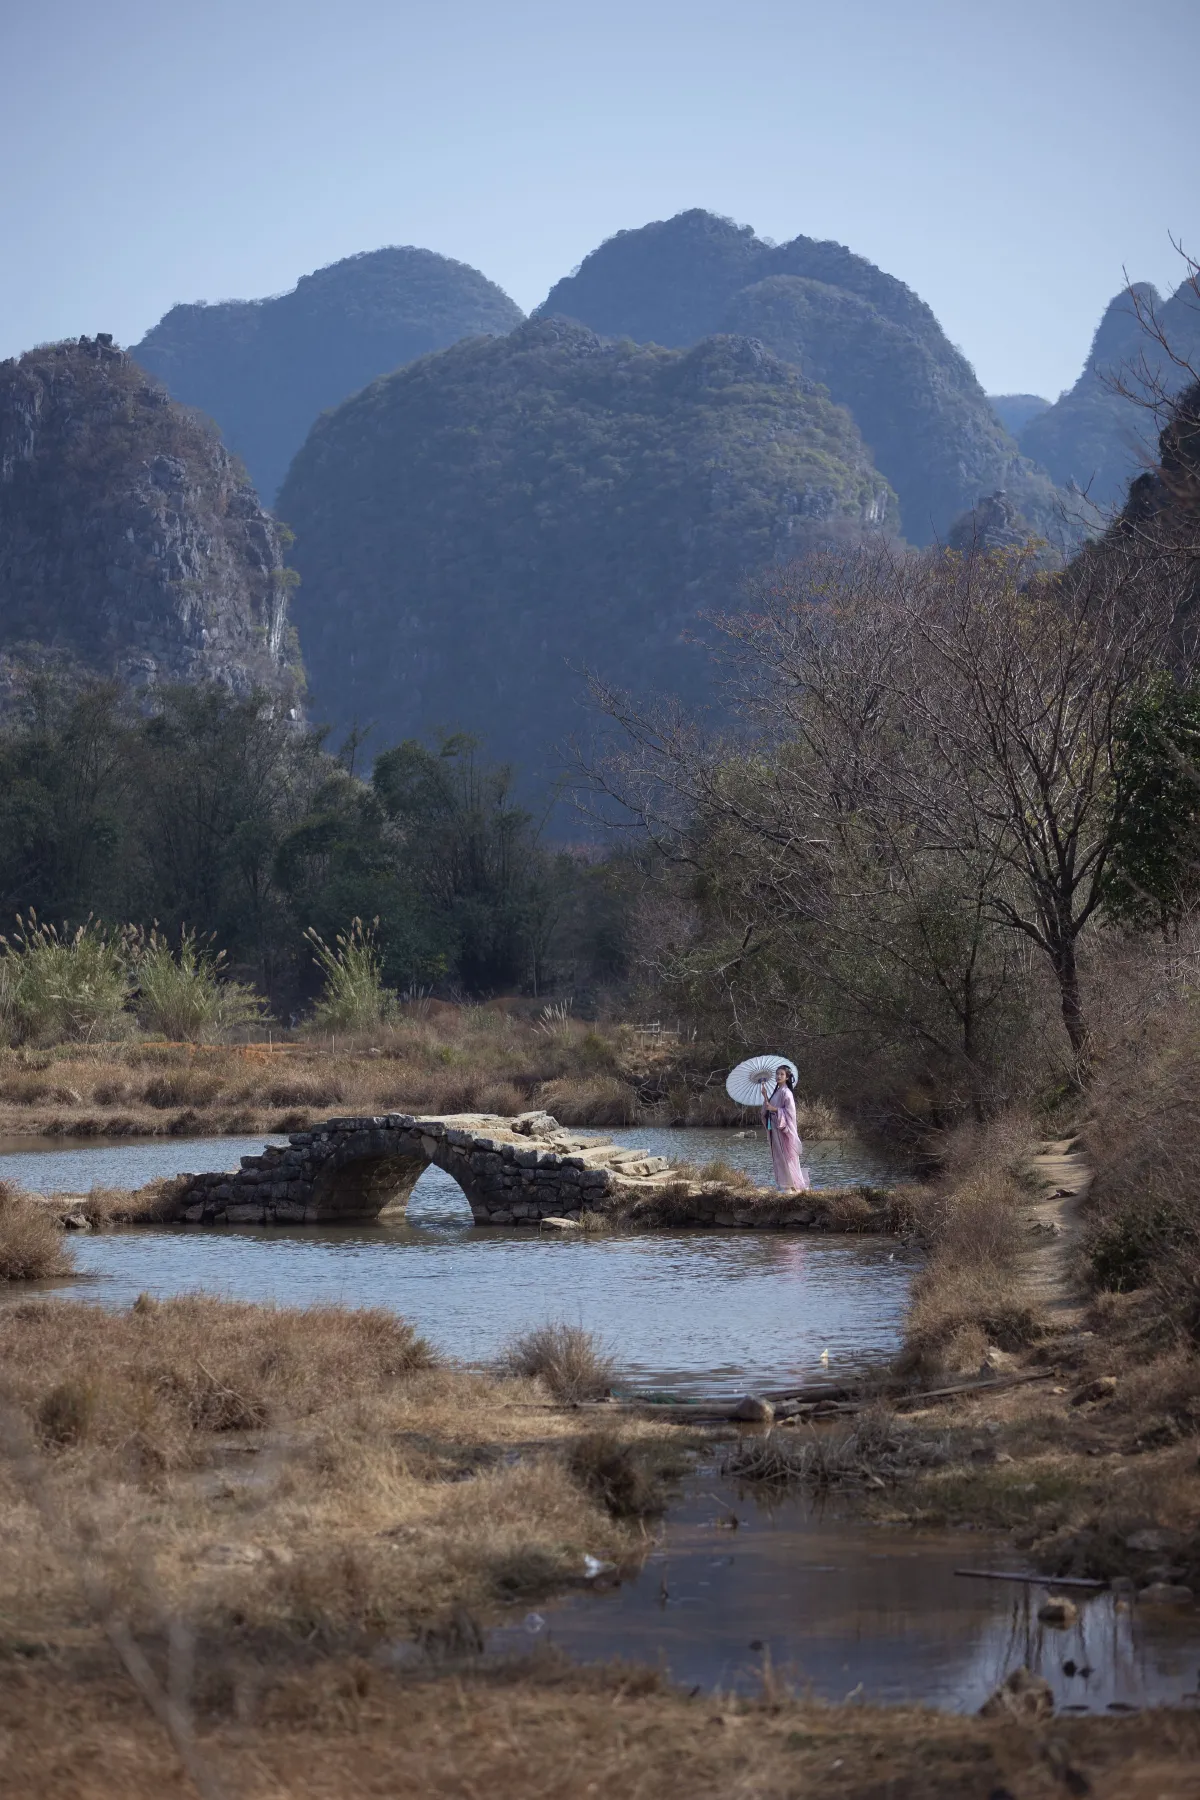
x=32, y=1247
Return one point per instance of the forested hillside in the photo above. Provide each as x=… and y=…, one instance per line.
x=867, y=337
x=475, y=531
x=131, y=545
x=264, y=369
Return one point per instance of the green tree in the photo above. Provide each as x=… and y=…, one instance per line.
x=1154, y=872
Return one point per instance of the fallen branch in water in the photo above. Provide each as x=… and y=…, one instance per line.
x=1054, y=1581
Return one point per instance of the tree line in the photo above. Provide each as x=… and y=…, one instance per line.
x=216, y=814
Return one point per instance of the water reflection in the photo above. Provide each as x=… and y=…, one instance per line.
x=847, y=1609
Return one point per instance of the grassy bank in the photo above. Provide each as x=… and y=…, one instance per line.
x=434, y=1059
x=244, y=1510
x=279, y=1487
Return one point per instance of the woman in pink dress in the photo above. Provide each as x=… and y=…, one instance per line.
x=779, y=1117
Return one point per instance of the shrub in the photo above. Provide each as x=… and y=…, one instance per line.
x=182, y=1087
x=566, y=1358
x=354, y=997
x=615, y=1474
x=65, y=1413
x=598, y=1100
x=186, y=996
x=57, y=986
x=31, y=1240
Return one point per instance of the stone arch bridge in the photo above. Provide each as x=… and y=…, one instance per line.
x=513, y=1172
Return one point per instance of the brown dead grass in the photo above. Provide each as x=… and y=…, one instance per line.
x=32, y=1247
x=432, y=1059
x=970, y=1296
x=283, y=1476
x=542, y=1728
x=570, y=1362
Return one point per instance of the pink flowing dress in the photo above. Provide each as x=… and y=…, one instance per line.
x=779, y=1116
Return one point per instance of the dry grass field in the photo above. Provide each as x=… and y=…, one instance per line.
x=433, y=1058
x=223, y=1520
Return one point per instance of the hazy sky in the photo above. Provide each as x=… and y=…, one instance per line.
x=1005, y=158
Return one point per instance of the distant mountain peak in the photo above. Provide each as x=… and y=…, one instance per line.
x=862, y=333
x=265, y=369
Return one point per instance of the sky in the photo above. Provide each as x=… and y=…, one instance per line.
x=1007, y=160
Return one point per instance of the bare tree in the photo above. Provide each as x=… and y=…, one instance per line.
x=1017, y=685
x=827, y=896
x=932, y=759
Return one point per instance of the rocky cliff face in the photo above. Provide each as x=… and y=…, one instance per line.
x=131, y=544
x=477, y=531
x=866, y=336
x=1097, y=438
x=264, y=369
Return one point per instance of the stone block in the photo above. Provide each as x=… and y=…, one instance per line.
x=194, y=1214
x=290, y=1212
x=244, y=1213
x=525, y=1159
x=502, y=1218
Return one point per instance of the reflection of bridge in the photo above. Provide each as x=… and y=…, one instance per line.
x=512, y=1171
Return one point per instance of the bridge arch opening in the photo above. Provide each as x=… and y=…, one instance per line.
x=438, y=1198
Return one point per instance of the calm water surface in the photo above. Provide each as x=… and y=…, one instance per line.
x=715, y=1311
x=849, y=1610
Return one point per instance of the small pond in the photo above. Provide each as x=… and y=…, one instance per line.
x=712, y=1312
x=848, y=1610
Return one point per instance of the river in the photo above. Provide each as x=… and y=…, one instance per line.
x=714, y=1312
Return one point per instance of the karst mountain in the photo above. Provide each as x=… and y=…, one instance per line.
x=131, y=543
x=863, y=334
x=1103, y=432
x=265, y=369
x=478, y=530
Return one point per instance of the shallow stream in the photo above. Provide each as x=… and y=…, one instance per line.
x=840, y=1607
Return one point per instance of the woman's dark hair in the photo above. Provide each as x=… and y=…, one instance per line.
x=787, y=1075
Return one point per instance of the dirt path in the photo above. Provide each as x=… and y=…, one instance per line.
x=1062, y=1179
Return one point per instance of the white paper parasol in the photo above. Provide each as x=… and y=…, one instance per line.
x=744, y=1084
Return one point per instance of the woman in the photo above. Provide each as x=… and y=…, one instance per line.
x=779, y=1117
